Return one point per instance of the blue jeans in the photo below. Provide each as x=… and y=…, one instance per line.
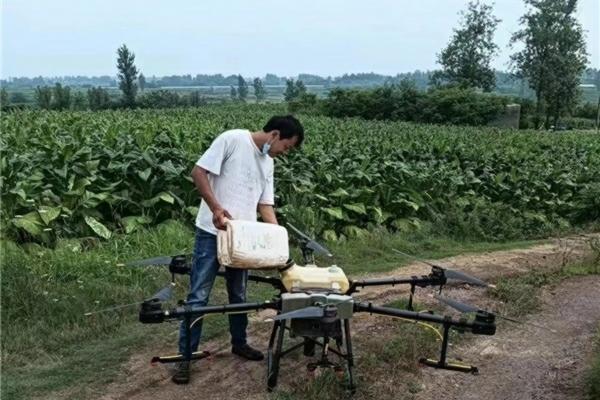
x=204, y=270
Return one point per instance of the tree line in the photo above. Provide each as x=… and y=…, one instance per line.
x=549, y=65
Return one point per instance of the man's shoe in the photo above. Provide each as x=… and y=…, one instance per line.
x=182, y=373
x=247, y=352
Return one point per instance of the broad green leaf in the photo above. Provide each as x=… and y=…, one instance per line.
x=169, y=168
x=19, y=192
x=355, y=232
x=339, y=193
x=321, y=197
x=329, y=235
x=193, y=211
x=377, y=214
x=166, y=197
x=133, y=223
x=407, y=225
x=357, y=208
x=62, y=172
x=49, y=214
x=335, y=212
x=31, y=222
x=97, y=227
x=145, y=174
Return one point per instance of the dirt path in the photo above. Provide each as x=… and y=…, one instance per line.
x=515, y=363
x=523, y=363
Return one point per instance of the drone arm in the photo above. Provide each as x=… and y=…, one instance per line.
x=155, y=314
x=427, y=280
x=482, y=325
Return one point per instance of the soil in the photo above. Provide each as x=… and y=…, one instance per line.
x=519, y=362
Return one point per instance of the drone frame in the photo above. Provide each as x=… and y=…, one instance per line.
x=336, y=329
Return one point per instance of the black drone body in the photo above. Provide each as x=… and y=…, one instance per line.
x=320, y=317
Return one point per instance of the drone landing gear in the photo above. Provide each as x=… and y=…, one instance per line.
x=198, y=355
x=276, y=352
x=442, y=363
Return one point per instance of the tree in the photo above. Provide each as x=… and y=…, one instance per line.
x=466, y=59
x=127, y=75
x=142, y=81
x=3, y=98
x=300, y=88
x=553, y=57
x=259, y=89
x=233, y=93
x=43, y=97
x=242, y=90
x=98, y=98
x=79, y=101
x=293, y=90
x=196, y=99
x=61, y=97
x=290, y=92
x=18, y=98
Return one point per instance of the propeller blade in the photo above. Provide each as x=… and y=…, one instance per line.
x=461, y=276
x=415, y=258
x=466, y=308
x=162, y=260
x=311, y=244
x=298, y=232
x=457, y=305
x=450, y=273
x=307, y=312
x=163, y=294
x=319, y=249
x=87, y=314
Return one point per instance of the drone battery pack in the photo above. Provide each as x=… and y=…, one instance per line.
x=252, y=245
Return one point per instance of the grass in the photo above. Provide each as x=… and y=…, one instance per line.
x=49, y=346
x=520, y=294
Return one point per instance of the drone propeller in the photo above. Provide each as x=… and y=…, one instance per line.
x=461, y=276
x=310, y=243
x=162, y=260
x=457, y=305
x=177, y=264
x=467, y=308
x=450, y=273
x=163, y=294
x=307, y=312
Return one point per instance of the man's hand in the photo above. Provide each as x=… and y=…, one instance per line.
x=220, y=216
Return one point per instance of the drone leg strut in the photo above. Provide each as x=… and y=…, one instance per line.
x=410, y=297
x=349, y=356
x=273, y=356
x=442, y=363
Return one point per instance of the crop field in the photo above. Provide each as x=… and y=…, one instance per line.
x=84, y=191
x=75, y=174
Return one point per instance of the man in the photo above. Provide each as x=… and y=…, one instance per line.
x=235, y=180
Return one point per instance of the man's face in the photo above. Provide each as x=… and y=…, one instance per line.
x=282, y=146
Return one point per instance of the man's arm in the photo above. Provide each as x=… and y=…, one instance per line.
x=267, y=213
x=200, y=177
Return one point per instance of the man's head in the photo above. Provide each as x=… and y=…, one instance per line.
x=285, y=133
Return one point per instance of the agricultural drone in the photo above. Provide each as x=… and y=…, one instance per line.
x=316, y=304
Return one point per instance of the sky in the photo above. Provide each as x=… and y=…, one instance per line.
x=176, y=37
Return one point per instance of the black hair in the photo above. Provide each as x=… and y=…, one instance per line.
x=288, y=127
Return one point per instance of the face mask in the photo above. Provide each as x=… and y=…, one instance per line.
x=265, y=149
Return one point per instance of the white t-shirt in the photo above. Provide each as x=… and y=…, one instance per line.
x=240, y=177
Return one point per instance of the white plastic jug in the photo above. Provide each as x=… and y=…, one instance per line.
x=252, y=245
